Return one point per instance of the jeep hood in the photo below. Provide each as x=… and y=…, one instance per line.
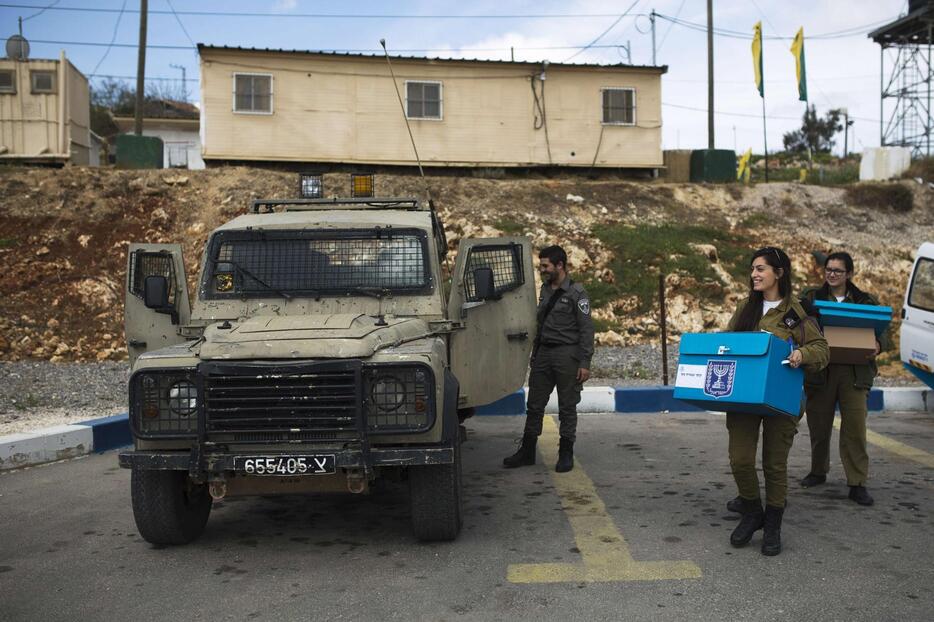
x=346, y=335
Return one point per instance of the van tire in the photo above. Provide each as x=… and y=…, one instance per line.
x=168, y=507
x=437, y=500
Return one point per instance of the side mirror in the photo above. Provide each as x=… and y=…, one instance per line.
x=483, y=281
x=156, y=295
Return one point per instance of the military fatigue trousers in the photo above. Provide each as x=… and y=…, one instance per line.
x=551, y=367
x=822, y=402
x=778, y=433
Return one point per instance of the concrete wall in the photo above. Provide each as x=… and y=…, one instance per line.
x=330, y=108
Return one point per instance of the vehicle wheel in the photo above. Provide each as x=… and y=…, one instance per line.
x=168, y=507
x=437, y=504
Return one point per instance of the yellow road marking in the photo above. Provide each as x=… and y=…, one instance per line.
x=899, y=449
x=604, y=550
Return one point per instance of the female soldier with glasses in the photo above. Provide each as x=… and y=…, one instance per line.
x=770, y=306
x=840, y=384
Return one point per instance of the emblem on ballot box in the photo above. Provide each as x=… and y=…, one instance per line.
x=719, y=379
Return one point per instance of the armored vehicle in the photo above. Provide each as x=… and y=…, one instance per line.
x=323, y=351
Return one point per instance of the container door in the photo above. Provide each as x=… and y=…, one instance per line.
x=149, y=328
x=490, y=355
x=917, y=336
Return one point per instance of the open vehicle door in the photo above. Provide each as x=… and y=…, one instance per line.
x=493, y=295
x=917, y=337
x=156, y=298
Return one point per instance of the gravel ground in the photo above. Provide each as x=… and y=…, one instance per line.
x=38, y=394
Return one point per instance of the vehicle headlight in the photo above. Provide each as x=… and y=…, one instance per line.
x=183, y=398
x=164, y=403
x=399, y=398
x=388, y=393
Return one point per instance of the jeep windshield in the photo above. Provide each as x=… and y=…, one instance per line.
x=313, y=263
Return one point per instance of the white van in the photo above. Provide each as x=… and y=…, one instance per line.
x=917, y=338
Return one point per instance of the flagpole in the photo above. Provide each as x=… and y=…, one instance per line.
x=765, y=141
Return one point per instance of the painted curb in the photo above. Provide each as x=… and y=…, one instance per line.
x=97, y=435
x=63, y=441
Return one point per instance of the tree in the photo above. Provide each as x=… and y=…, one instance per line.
x=815, y=134
x=109, y=96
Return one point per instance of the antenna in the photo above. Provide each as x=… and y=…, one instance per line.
x=421, y=171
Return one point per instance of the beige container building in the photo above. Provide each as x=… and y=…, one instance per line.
x=44, y=112
x=295, y=106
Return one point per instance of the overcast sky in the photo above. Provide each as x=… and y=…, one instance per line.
x=842, y=71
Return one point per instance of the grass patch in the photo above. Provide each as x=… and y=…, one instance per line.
x=922, y=167
x=642, y=253
x=510, y=226
x=7, y=242
x=756, y=220
x=894, y=197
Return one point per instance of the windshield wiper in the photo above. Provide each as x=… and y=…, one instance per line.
x=259, y=280
x=373, y=292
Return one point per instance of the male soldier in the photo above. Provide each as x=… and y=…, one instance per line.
x=560, y=356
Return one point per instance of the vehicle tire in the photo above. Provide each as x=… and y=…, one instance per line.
x=168, y=507
x=436, y=499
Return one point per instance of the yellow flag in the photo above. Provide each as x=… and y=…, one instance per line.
x=797, y=49
x=743, y=170
x=757, y=57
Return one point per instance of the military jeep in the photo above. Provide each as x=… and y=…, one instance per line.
x=321, y=353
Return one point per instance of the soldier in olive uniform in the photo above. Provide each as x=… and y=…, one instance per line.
x=770, y=307
x=560, y=357
x=844, y=385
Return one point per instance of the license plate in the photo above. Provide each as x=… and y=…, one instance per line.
x=286, y=465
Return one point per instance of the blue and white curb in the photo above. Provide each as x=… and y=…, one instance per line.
x=64, y=441
x=97, y=435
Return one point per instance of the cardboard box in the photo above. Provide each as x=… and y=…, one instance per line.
x=851, y=346
x=854, y=316
x=738, y=372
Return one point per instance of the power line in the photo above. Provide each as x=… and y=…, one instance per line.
x=179, y=20
x=602, y=34
x=750, y=115
x=327, y=15
x=853, y=31
x=112, y=39
x=43, y=10
x=147, y=78
x=670, y=26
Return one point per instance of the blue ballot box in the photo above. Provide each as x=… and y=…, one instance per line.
x=741, y=372
x=854, y=316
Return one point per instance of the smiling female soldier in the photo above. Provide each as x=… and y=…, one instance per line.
x=840, y=384
x=770, y=307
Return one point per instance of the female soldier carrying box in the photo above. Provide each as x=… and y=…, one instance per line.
x=846, y=385
x=770, y=307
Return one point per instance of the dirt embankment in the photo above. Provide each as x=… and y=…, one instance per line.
x=64, y=236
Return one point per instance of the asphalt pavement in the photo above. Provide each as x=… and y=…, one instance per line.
x=638, y=530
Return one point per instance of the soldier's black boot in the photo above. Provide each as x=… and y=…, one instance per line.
x=772, y=534
x=524, y=456
x=751, y=522
x=565, y=456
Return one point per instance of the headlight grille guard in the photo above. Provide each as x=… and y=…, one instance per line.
x=149, y=386
x=385, y=412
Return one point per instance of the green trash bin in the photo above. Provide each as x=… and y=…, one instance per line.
x=139, y=151
x=713, y=165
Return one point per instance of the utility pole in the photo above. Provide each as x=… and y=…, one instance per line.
x=141, y=68
x=652, y=19
x=710, y=137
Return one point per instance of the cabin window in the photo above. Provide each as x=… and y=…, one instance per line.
x=619, y=106
x=7, y=81
x=423, y=100
x=42, y=81
x=252, y=93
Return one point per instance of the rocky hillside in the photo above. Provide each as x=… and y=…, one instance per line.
x=64, y=235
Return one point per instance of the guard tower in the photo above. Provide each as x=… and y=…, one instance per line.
x=906, y=71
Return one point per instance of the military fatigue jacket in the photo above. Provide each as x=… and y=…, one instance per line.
x=815, y=354
x=865, y=374
x=569, y=322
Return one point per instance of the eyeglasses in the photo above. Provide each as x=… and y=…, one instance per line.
x=834, y=271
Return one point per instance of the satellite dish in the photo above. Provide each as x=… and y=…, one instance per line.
x=17, y=47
